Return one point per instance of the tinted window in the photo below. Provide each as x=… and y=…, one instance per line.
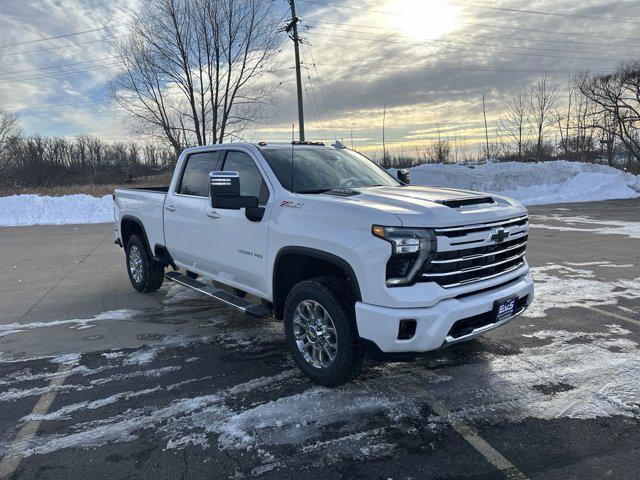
x=324, y=168
x=195, y=179
x=251, y=182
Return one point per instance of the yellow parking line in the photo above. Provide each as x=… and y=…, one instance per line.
x=472, y=437
x=11, y=462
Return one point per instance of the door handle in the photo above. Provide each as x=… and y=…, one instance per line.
x=213, y=214
x=170, y=208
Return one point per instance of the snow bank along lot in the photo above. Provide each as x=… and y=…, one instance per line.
x=17, y=210
x=530, y=183
x=534, y=183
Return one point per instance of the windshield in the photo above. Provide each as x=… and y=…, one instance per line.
x=318, y=169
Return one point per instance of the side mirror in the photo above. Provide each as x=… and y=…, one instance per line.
x=224, y=192
x=404, y=176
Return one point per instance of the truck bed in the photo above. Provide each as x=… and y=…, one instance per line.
x=164, y=189
x=147, y=205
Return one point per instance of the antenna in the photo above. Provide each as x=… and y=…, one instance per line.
x=293, y=141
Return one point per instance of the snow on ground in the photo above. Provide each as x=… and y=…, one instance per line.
x=18, y=210
x=531, y=183
x=578, y=223
x=534, y=183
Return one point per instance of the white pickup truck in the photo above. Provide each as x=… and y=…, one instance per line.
x=353, y=260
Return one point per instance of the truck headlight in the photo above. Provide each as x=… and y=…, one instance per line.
x=410, y=249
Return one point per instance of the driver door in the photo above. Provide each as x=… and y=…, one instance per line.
x=236, y=247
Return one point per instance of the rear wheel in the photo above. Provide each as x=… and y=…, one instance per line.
x=321, y=333
x=145, y=274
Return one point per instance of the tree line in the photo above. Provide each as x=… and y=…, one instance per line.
x=591, y=118
x=38, y=161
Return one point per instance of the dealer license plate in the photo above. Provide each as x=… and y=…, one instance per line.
x=505, y=309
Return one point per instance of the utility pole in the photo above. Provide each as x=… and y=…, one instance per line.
x=293, y=28
x=486, y=130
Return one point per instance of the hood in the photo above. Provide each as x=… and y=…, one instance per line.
x=418, y=206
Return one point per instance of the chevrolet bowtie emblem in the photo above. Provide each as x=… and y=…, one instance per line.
x=499, y=236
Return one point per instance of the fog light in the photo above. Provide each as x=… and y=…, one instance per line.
x=407, y=329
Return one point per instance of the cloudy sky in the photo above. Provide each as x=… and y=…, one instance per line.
x=428, y=61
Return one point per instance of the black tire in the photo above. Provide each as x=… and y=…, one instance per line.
x=151, y=273
x=334, y=296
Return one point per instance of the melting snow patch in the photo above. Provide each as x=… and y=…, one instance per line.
x=556, y=377
x=562, y=286
x=13, y=328
x=586, y=224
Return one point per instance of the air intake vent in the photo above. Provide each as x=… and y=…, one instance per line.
x=463, y=202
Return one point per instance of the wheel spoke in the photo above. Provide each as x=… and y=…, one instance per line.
x=315, y=334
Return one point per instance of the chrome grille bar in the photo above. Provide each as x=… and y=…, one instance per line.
x=480, y=279
x=474, y=269
x=481, y=225
x=480, y=255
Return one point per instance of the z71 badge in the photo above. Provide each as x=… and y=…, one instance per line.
x=290, y=204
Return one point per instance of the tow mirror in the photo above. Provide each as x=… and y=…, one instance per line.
x=404, y=176
x=224, y=192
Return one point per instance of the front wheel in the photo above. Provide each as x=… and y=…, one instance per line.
x=320, y=329
x=145, y=274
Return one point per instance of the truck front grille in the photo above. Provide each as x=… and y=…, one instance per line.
x=473, y=253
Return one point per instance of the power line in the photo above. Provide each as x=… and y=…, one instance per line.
x=599, y=44
x=385, y=37
x=60, y=74
x=57, y=105
x=4, y=74
x=324, y=99
x=489, y=7
x=480, y=50
x=464, y=68
x=65, y=35
x=61, y=46
x=539, y=12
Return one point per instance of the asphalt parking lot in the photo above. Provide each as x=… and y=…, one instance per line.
x=99, y=381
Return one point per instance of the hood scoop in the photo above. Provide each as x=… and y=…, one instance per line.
x=342, y=192
x=466, y=202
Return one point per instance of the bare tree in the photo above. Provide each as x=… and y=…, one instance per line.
x=9, y=130
x=543, y=101
x=617, y=97
x=194, y=69
x=514, y=125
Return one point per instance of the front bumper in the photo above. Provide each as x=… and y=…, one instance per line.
x=433, y=324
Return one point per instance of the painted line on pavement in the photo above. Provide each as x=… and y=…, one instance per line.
x=10, y=463
x=472, y=437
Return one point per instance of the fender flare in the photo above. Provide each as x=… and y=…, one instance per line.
x=321, y=255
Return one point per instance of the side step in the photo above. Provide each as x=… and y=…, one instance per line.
x=251, y=309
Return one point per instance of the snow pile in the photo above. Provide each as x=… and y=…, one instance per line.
x=533, y=183
x=32, y=209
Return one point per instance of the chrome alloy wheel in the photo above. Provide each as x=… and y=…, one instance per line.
x=315, y=334
x=135, y=263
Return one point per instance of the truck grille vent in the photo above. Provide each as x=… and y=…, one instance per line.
x=474, y=253
x=463, y=202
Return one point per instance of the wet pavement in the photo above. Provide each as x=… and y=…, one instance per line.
x=97, y=380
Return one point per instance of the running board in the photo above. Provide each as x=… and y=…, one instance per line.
x=251, y=309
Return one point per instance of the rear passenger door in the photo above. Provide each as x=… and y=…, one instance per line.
x=185, y=209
